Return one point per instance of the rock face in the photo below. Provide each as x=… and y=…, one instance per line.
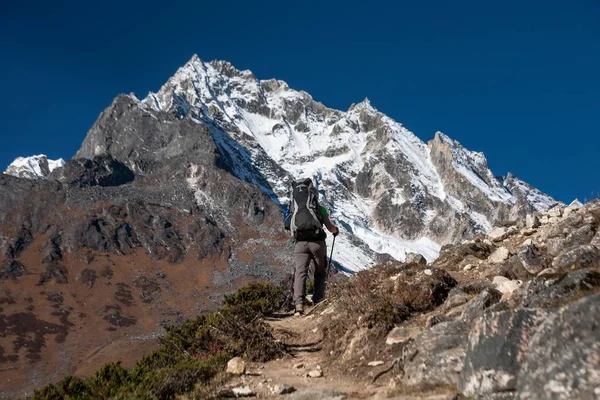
x=436, y=356
x=497, y=344
x=552, y=369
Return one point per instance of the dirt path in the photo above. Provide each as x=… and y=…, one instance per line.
x=303, y=340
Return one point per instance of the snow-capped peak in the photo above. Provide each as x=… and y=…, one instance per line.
x=389, y=190
x=34, y=167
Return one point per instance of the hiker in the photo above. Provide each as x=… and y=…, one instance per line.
x=305, y=222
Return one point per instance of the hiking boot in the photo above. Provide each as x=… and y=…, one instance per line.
x=299, y=309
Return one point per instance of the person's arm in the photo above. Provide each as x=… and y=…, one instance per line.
x=330, y=227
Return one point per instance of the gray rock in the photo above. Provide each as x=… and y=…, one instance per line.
x=435, y=357
x=532, y=258
x=282, y=388
x=243, y=391
x=555, y=245
x=532, y=221
x=322, y=393
x=475, y=307
x=562, y=361
x=505, y=285
x=596, y=239
x=555, y=212
x=500, y=255
x=497, y=344
x=456, y=297
x=551, y=291
x=498, y=234
x=577, y=258
x=415, y=258
x=580, y=236
x=400, y=335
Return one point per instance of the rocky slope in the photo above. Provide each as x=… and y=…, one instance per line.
x=96, y=260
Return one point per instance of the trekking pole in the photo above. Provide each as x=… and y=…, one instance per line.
x=330, y=257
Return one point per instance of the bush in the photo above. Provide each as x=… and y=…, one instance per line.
x=193, y=353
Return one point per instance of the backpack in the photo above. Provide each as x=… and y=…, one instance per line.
x=303, y=217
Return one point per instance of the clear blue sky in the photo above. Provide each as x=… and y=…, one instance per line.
x=518, y=80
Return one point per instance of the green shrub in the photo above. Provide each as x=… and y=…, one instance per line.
x=190, y=354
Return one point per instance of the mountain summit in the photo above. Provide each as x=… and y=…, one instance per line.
x=391, y=192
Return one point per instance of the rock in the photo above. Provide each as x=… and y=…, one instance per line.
x=283, y=389
x=542, y=292
x=554, y=220
x=555, y=212
x=527, y=242
x=315, y=373
x=317, y=393
x=434, y=320
x=468, y=267
x=562, y=361
x=428, y=272
x=532, y=221
x=578, y=258
x=596, y=239
x=505, y=285
x=500, y=255
x=375, y=363
x=236, y=366
x=497, y=344
x=435, y=357
x=528, y=231
x=574, y=206
x=475, y=287
x=456, y=297
x=532, y=258
x=298, y=366
x=548, y=272
x=498, y=234
x=415, y=258
x=401, y=335
x=580, y=236
x=544, y=220
x=555, y=245
x=243, y=391
x=485, y=299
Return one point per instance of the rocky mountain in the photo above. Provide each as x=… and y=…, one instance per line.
x=34, y=167
x=391, y=192
x=175, y=200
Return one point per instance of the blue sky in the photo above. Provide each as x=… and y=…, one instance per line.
x=518, y=80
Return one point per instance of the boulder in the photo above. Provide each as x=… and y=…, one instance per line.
x=455, y=298
x=532, y=221
x=400, y=335
x=500, y=255
x=498, y=234
x=415, y=258
x=555, y=212
x=532, y=258
x=498, y=343
x=505, y=285
x=578, y=258
x=580, y=236
x=475, y=307
x=435, y=357
x=563, y=359
x=552, y=290
x=282, y=388
x=236, y=366
x=555, y=245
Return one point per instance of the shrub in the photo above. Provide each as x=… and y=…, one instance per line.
x=190, y=354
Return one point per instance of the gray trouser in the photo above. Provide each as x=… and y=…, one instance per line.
x=304, y=252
